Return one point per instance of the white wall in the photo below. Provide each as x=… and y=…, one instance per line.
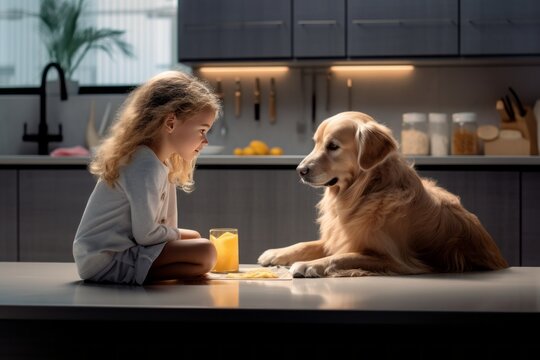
x=385, y=97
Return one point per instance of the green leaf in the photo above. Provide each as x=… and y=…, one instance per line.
x=67, y=42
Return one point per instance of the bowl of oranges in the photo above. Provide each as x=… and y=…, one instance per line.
x=258, y=147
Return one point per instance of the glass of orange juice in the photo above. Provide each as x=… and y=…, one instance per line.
x=226, y=242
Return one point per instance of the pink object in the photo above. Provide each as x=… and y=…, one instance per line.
x=71, y=151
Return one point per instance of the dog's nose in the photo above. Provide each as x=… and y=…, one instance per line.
x=302, y=170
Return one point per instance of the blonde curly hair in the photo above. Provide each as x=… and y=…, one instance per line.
x=141, y=118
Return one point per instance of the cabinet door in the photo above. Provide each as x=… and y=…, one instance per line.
x=8, y=215
x=493, y=196
x=269, y=207
x=530, y=215
x=500, y=27
x=234, y=29
x=319, y=28
x=51, y=206
x=402, y=28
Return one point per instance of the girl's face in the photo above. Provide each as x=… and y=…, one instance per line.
x=187, y=138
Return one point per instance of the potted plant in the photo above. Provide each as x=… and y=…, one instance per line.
x=68, y=41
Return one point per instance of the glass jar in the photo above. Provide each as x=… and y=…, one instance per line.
x=414, y=134
x=464, y=139
x=439, y=134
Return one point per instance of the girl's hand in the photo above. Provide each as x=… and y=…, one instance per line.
x=188, y=234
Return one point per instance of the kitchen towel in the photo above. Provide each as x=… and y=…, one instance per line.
x=70, y=151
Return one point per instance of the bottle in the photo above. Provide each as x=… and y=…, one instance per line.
x=464, y=138
x=439, y=134
x=414, y=134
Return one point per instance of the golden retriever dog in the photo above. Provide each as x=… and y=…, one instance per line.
x=377, y=215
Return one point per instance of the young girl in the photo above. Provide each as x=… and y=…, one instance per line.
x=128, y=232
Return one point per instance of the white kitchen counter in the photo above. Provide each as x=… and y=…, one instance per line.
x=46, y=311
x=54, y=291
x=286, y=160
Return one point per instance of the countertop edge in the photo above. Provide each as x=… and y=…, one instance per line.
x=269, y=316
x=284, y=160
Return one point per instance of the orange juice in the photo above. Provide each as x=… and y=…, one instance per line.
x=226, y=243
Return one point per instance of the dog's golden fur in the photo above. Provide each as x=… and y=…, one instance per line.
x=377, y=216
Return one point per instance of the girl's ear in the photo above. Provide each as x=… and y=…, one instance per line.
x=170, y=123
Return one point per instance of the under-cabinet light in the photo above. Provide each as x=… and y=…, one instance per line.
x=212, y=69
x=372, y=68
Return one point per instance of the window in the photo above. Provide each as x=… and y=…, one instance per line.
x=149, y=25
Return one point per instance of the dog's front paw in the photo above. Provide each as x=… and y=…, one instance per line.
x=273, y=257
x=308, y=269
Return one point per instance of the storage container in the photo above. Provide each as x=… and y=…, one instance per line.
x=464, y=138
x=439, y=134
x=414, y=134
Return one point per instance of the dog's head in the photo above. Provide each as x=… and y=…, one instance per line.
x=346, y=145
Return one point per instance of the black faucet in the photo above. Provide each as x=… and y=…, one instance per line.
x=43, y=138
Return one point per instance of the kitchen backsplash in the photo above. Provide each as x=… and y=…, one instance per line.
x=383, y=95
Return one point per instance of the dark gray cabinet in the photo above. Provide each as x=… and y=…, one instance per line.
x=268, y=206
x=234, y=29
x=500, y=27
x=8, y=215
x=494, y=197
x=319, y=28
x=51, y=204
x=40, y=209
x=402, y=28
x=530, y=219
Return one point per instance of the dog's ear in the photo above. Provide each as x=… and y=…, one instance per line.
x=375, y=143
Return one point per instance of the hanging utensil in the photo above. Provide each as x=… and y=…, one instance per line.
x=272, y=101
x=221, y=96
x=349, y=94
x=301, y=121
x=257, y=99
x=328, y=86
x=237, y=98
x=313, y=100
x=519, y=104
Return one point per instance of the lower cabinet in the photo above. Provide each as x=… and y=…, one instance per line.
x=51, y=204
x=270, y=207
x=494, y=197
x=8, y=215
x=530, y=219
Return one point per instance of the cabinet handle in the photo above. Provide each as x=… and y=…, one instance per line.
x=505, y=21
x=316, y=22
x=263, y=23
x=234, y=25
x=404, y=22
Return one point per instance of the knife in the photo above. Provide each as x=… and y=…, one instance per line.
x=349, y=94
x=237, y=98
x=313, y=100
x=519, y=104
x=272, y=101
x=328, y=85
x=257, y=100
x=508, y=108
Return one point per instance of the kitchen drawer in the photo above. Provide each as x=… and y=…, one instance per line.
x=51, y=206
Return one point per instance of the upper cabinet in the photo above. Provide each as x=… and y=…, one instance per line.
x=319, y=28
x=251, y=30
x=500, y=27
x=234, y=29
x=402, y=28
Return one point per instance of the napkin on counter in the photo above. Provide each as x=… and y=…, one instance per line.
x=70, y=151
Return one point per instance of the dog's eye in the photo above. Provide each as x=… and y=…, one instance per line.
x=332, y=146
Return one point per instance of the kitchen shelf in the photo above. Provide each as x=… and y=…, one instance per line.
x=291, y=160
